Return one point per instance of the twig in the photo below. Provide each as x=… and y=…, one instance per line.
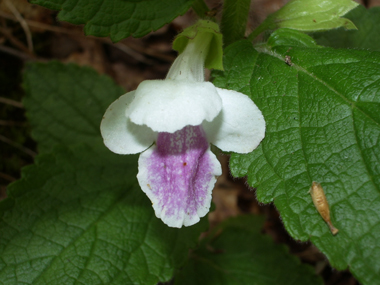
x=12, y=123
x=39, y=25
x=19, y=54
x=23, y=24
x=149, y=51
x=11, y=102
x=18, y=146
x=120, y=45
x=7, y=177
x=133, y=53
x=14, y=40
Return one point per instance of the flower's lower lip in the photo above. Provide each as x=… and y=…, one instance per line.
x=178, y=175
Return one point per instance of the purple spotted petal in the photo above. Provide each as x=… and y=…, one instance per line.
x=178, y=175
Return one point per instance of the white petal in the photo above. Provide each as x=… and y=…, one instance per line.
x=189, y=65
x=170, y=105
x=239, y=127
x=120, y=135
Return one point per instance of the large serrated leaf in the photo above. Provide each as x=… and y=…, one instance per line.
x=237, y=253
x=321, y=108
x=118, y=18
x=79, y=216
x=65, y=103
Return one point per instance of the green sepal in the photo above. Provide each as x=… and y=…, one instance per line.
x=203, y=28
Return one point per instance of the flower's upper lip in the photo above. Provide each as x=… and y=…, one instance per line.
x=231, y=120
x=170, y=105
x=239, y=126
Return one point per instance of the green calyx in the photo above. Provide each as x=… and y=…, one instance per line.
x=203, y=31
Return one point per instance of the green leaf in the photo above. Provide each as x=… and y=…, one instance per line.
x=309, y=15
x=234, y=20
x=323, y=125
x=65, y=103
x=78, y=216
x=118, y=19
x=290, y=37
x=367, y=36
x=237, y=253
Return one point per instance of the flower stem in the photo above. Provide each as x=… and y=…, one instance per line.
x=234, y=20
x=200, y=7
x=263, y=26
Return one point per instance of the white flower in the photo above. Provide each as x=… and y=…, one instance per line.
x=182, y=114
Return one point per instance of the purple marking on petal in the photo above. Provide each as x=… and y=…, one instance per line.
x=180, y=175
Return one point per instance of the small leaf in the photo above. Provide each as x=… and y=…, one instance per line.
x=323, y=124
x=65, y=103
x=290, y=37
x=237, y=253
x=309, y=15
x=312, y=15
x=79, y=216
x=366, y=36
x=118, y=19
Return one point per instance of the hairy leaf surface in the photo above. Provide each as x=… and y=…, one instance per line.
x=237, y=253
x=65, y=103
x=78, y=215
x=321, y=106
x=118, y=19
